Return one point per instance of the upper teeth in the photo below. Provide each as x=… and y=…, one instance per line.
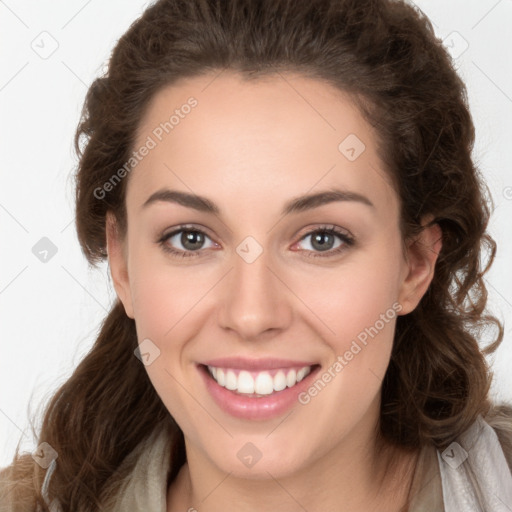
x=261, y=383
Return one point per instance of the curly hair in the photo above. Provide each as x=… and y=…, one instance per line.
x=385, y=55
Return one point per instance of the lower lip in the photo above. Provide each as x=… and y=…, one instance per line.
x=255, y=408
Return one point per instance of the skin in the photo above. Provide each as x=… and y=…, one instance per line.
x=250, y=147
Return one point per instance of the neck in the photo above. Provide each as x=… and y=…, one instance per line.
x=348, y=478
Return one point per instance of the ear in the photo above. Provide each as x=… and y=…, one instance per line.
x=118, y=263
x=422, y=254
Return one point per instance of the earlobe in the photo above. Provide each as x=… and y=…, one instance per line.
x=118, y=263
x=422, y=254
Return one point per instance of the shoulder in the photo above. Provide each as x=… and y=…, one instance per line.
x=140, y=478
x=15, y=495
x=7, y=488
x=141, y=481
x=476, y=468
x=499, y=418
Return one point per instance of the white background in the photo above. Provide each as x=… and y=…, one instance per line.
x=51, y=312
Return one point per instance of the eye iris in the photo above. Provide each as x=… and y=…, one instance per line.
x=318, y=239
x=195, y=238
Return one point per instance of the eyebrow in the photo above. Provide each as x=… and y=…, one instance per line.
x=295, y=205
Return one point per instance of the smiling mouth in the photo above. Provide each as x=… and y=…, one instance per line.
x=258, y=383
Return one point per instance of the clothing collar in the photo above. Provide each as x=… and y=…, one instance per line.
x=471, y=475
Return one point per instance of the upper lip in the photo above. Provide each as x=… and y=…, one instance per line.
x=266, y=363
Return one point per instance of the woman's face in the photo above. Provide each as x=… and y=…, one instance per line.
x=257, y=286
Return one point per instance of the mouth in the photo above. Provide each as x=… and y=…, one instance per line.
x=258, y=384
x=258, y=391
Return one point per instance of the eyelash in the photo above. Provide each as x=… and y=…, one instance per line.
x=347, y=240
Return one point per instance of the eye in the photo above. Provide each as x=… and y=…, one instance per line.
x=322, y=239
x=191, y=239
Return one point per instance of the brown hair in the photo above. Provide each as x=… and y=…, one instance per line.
x=383, y=53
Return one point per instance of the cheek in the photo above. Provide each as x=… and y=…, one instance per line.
x=164, y=302
x=162, y=293
x=155, y=302
x=352, y=297
x=357, y=309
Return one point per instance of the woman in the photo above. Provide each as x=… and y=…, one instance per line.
x=247, y=359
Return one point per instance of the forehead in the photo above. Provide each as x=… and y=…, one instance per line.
x=283, y=133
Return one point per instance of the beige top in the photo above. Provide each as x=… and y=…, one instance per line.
x=426, y=490
x=471, y=475
x=146, y=489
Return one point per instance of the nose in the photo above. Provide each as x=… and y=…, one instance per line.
x=255, y=300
